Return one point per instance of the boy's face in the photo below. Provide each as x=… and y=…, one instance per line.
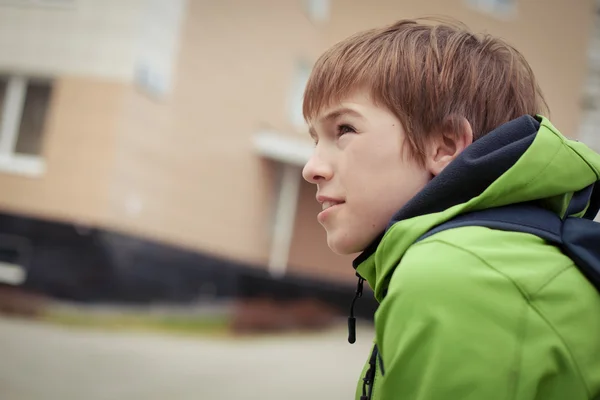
x=362, y=171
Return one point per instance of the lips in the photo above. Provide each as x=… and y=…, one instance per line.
x=330, y=203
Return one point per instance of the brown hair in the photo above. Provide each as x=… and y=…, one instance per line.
x=428, y=75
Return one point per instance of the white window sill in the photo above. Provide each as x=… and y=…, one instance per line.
x=283, y=148
x=21, y=164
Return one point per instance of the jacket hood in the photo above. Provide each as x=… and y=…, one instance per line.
x=526, y=159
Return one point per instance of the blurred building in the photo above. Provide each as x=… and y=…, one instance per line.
x=148, y=140
x=590, y=121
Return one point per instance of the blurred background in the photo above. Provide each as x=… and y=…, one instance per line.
x=156, y=237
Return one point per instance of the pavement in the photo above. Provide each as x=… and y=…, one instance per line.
x=48, y=362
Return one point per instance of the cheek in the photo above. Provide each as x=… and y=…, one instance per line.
x=377, y=180
x=380, y=185
x=369, y=198
x=371, y=170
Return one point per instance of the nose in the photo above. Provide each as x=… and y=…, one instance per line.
x=317, y=170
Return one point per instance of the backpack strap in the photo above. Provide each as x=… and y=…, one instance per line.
x=581, y=242
x=578, y=238
x=524, y=217
x=580, y=201
x=594, y=200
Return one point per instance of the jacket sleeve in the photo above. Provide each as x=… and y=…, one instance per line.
x=450, y=327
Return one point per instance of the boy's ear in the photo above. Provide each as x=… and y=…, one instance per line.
x=454, y=137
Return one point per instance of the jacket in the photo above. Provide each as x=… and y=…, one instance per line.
x=479, y=313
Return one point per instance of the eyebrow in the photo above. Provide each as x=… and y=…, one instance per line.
x=334, y=115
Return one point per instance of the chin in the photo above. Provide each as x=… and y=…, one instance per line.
x=345, y=246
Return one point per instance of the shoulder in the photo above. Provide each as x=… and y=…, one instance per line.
x=442, y=269
x=445, y=291
x=476, y=288
x=465, y=256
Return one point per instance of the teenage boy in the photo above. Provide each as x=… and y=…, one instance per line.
x=416, y=124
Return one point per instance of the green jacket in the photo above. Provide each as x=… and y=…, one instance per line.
x=476, y=313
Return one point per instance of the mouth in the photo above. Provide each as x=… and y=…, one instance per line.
x=330, y=203
x=329, y=206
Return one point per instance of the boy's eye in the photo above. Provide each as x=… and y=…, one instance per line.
x=343, y=129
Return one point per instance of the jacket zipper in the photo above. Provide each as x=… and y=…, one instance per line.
x=369, y=378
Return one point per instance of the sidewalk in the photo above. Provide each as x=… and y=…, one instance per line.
x=42, y=362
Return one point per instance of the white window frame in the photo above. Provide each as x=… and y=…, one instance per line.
x=318, y=11
x=12, y=113
x=302, y=72
x=495, y=8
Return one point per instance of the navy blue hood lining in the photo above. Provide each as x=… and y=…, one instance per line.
x=468, y=175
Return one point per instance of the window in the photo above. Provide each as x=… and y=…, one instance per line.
x=23, y=111
x=39, y=3
x=301, y=75
x=498, y=8
x=591, y=91
x=317, y=10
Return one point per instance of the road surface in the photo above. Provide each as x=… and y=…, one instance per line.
x=46, y=362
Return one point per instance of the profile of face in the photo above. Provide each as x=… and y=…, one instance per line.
x=363, y=171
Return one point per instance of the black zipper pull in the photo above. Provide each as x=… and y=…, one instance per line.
x=351, y=318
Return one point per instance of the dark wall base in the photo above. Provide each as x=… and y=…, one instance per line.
x=96, y=265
